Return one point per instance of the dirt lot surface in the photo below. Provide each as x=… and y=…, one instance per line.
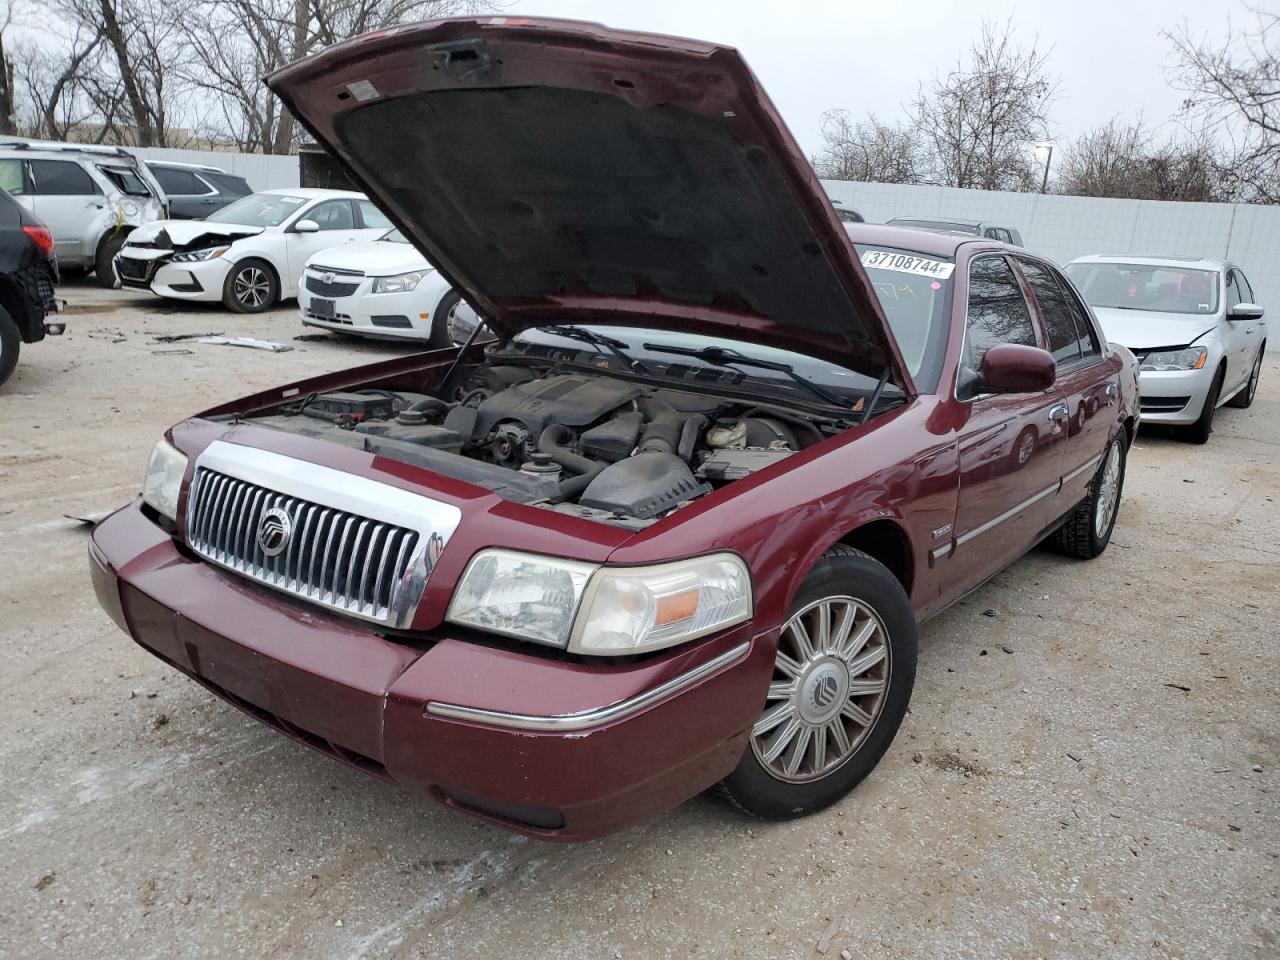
x=1090, y=766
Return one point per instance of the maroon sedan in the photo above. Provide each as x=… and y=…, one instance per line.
x=677, y=525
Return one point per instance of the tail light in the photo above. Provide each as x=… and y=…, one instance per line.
x=42, y=237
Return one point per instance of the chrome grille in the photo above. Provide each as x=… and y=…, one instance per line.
x=333, y=557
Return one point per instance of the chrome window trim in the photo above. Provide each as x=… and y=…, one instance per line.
x=582, y=720
x=434, y=521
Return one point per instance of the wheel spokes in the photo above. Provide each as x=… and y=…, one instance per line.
x=830, y=681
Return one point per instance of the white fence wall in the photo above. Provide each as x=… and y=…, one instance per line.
x=1064, y=228
x=261, y=171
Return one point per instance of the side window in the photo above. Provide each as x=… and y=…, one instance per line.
x=1064, y=338
x=1090, y=342
x=332, y=215
x=373, y=217
x=1246, y=288
x=179, y=183
x=61, y=178
x=997, y=311
x=1234, y=294
x=11, y=178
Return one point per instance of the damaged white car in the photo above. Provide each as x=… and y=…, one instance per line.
x=251, y=253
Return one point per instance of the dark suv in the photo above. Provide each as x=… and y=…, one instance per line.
x=28, y=272
x=194, y=191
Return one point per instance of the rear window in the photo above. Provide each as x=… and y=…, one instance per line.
x=1146, y=286
x=914, y=291
x=178, y=183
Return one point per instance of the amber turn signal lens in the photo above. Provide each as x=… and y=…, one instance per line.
x=676, y=607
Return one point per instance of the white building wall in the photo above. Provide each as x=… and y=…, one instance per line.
x=1063, y=228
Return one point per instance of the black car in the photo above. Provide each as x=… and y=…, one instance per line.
x=195, y=191
x=28, y=273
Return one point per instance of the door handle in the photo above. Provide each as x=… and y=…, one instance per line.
x=1059, y=413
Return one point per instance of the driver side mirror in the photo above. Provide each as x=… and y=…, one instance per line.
x=1245, y=311
x=306, y=226
x=1014, y=368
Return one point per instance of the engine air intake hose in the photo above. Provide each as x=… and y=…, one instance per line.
x=553, y=443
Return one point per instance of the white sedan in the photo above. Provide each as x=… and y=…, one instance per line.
x=384, y=290
x=250, y=254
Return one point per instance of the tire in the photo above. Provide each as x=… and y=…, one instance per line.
x=1244, y=399
x=440, y=320
x=10, y=345
x=1087, y=531
x=251, y=287
x=797, y=782
x=104, y=268
x=1199, y=431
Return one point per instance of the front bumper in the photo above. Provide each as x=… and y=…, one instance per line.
x=196, y=280
x=385, y=316
x=1174, y=397
x=559, y=749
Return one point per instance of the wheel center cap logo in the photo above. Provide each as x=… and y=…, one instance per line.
x=275, y=530
x=825, y=691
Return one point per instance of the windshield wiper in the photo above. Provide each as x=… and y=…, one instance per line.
x=720, y=357
x=616, y=347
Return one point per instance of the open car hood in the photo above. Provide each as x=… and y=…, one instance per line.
x=562, y=172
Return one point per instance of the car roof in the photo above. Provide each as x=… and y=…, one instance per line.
x=1157, y=260
x=959, y=220
x=179, y=165
x=311, y=192
x=937, y=243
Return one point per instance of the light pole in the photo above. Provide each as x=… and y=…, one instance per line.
x=1044, y=153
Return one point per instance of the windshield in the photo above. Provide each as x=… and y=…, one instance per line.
x=126, y=181
x=646, y=346
x=1146, y=286
x=914, y=291
x=258, y=210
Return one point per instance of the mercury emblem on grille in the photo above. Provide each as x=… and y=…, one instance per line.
x=275, y=529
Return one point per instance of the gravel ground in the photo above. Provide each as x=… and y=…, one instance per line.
x=1089, y=768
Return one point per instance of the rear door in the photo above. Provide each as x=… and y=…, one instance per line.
x=1011, y=445
x=69, y=202
x=1083, y=383
x=190, y=197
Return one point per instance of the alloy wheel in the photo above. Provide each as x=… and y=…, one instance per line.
x=830, y=680
x=252, y=286
x=1108, y=491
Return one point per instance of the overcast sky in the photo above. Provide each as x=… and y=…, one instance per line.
x=871, y=56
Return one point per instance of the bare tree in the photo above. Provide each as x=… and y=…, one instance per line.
x=1233, y=86
x=8, y=74
x=232, y=43
x=134, y=81
x=1119, y=159
x=868, y=150
x=979, y=120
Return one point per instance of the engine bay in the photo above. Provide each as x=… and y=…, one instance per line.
x=592, y=445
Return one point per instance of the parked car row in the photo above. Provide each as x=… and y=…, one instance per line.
x=676, y=528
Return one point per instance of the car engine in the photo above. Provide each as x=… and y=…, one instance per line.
x=598, y=447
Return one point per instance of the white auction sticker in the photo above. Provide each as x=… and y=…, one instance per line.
x=906, y=263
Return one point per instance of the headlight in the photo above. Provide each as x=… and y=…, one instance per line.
x=164, y=479
x=607, y=611
x=520, y=595
x=130, y=208
x=208, y=253
x=400, y=283
x=1190, y=358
